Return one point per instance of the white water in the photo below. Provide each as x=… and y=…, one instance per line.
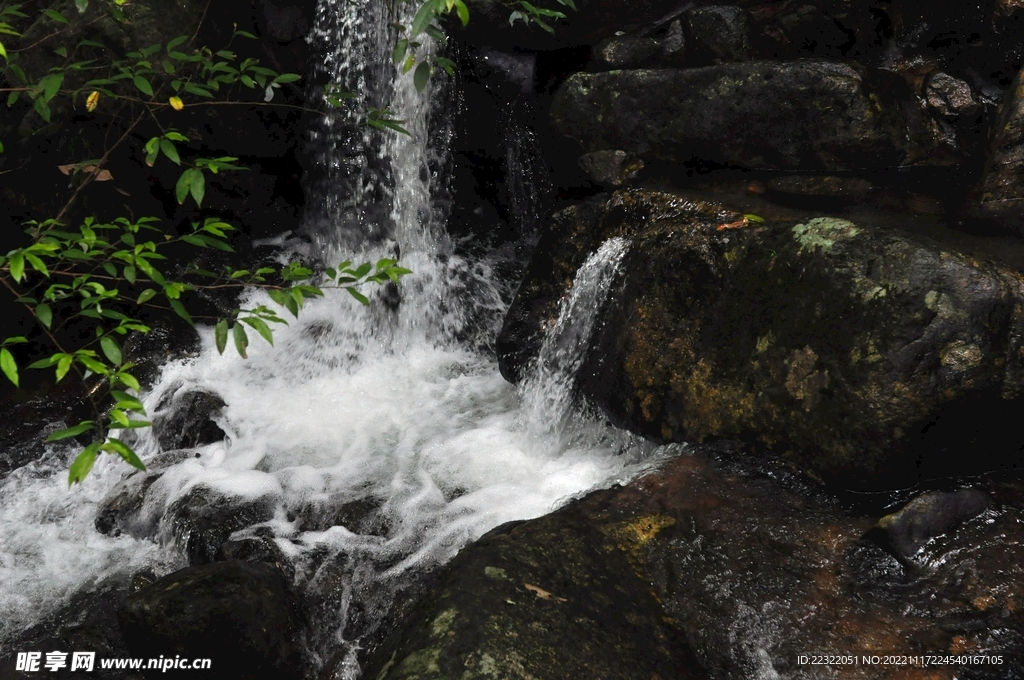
x=378, y=404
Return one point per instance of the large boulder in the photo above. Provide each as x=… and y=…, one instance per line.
x=548, y=599
x=738, y=564
x=241, y=616
x=799, y=116
x=860, y=353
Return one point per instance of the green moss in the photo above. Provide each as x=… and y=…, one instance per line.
x=823, y=232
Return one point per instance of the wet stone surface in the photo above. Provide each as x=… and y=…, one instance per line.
x=719, y=559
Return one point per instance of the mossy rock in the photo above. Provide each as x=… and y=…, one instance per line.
x=862, y=354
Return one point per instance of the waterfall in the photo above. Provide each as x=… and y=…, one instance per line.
x=383, y=437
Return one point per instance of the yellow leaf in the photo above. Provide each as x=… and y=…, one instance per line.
x=176, y=103
x=92, y=100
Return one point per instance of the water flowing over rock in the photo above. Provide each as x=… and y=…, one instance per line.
x=747, y=575
x=858, y=353
x=797, y=116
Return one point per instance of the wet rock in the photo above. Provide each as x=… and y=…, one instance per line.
x=203, y=519
x=241, y=616
x=611, y=168
x=931, y=515
x=123, y=509
x=862, y=354
x=797, y=116
x=86, y=622
x=545, y=600
x=258, y=549
x=187, y=419
x=950, y=97
x=744, y=573
x=1000, y=193
x=721, y=31
x=914, y=68
x=625, y=51
x=836, y=189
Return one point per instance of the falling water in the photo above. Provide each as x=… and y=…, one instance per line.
x=383, y=437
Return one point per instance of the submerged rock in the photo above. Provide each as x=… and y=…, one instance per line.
x=243, y=617
x=861, y=354
x=797, y=116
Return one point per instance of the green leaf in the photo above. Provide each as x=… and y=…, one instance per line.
x=241, y=339
x=400, y=50
x=423, y=17
x=128, y=379
x=55, y=15
x=170, y=151
x=197, y=186
x=82, y=5
x=195, y=89
x=8, y=365
x=287, y=78
x=145, y=296
x=44, y=314
x=39, y=104
x=358, y=296
x=143, y=85
x=110, y=349
x=123, y=450
x=261, y=327
x=421, y=76
x=16, y=262
x=50, y=85
x=462, y=11
x=180, y=310
x=177, y=41
x=63, y=365
x=79, y=470
x=37, y=264
x=45, y=363
x=129, y=274
x=753, y=218
x=220, y=334
x=152, y=149
x=72, y=431
x=182, y=187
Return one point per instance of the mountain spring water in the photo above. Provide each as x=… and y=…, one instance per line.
x=397, y=408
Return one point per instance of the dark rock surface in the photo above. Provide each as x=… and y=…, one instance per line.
x=862, y=354
x=203, y=519
x=241, y=616
x=722, y=31
x=611, y=168
x=930, y=515
x=1000, y=191
x=186, y=420
x=710, y=556
x=796, y=116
